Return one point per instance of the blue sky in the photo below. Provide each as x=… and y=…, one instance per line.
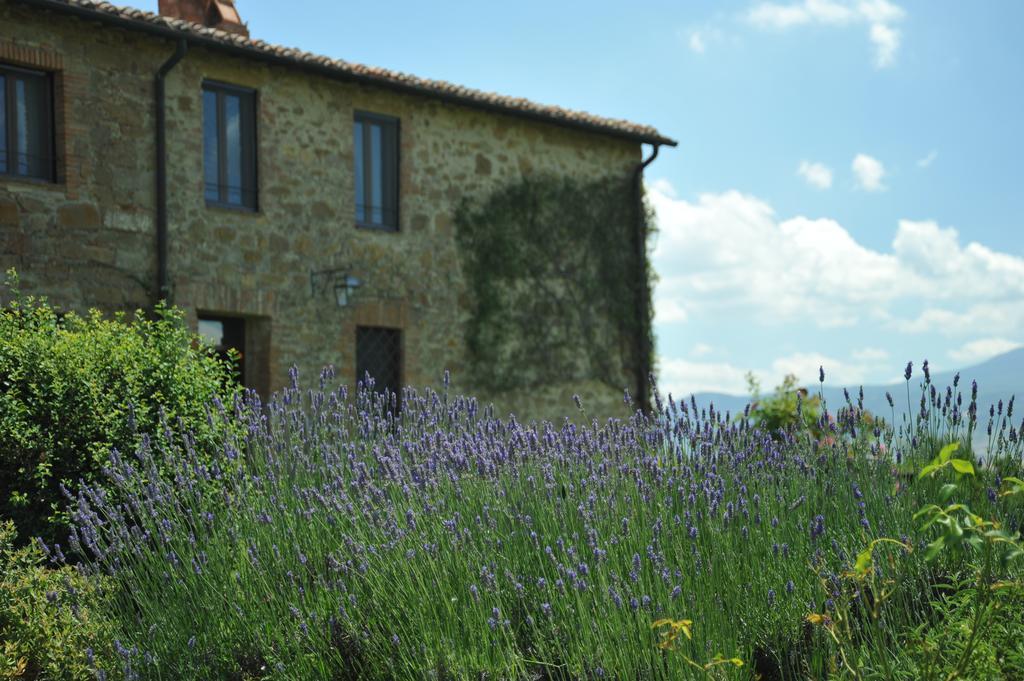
x=847, y=186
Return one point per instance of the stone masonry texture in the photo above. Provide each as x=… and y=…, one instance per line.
x=88, y=240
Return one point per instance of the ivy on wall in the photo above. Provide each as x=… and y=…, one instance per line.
x=554, y=281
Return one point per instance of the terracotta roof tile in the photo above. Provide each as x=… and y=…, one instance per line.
x=381, y=76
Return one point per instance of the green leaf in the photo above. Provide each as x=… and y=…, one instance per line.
x=947, y=491
x=864, y=561
x=935, y=548
x=947, y=452
x=930, y=468
x=962, y=466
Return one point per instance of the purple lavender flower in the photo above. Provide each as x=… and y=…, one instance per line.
x=817, y=526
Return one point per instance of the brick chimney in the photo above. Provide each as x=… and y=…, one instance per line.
x=219, y=14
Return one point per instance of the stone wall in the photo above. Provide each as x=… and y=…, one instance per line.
x=88, y=240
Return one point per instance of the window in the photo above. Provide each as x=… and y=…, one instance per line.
x=376, y=161
x=225, y=334
x=379, y=354
x=26, y=124
x=229, y=145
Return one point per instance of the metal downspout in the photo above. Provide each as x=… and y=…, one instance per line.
x=163, y=287
x=643, y=297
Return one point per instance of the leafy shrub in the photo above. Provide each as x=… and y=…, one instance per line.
x=787, y=408
x=937, y=649
x=52, y=622
x=72, y=388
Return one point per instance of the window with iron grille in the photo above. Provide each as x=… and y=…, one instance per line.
x=229, y=145
x=26, y=124
x=376, y=171
x=379, y=354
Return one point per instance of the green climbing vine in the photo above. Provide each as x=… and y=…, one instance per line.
x=551, y=268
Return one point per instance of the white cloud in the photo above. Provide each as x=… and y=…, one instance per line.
x=776, y=16
x=995, y=317
x=697, y=43
x=869, y=172
x=682, y=378
x=871, y=355
x=928, y=160
x=663, y=187
x=886, y=41
x=974, y=271
x=701, y=350
x=817, y=174
x=668, y=311
x=878, y=15
x=701, y=38
x=880, y=11
x=982, y=349
x=730, y=254
x=805, y=366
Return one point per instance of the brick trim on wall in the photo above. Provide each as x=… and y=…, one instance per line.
x=67, y=88
x=391, y=314
x=30, y=57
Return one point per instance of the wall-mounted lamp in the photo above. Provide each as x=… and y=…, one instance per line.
x=342, y=283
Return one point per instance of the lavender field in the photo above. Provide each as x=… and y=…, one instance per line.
x=335, y=539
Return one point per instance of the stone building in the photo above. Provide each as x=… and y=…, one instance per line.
x=299, y=208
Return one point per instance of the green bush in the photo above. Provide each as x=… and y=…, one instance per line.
x=75, y=387
x=52, y=622
x=935, y=649
x=789, y=407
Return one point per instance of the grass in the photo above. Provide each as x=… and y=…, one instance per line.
x=346, y=542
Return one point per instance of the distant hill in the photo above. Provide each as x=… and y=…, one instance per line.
x=998, y=379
